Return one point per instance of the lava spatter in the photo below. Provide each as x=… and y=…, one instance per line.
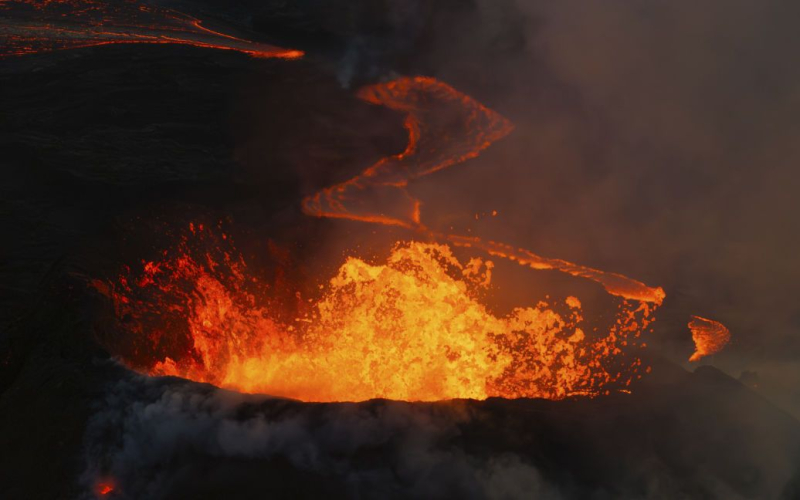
x=709, y=337
x=411, y=328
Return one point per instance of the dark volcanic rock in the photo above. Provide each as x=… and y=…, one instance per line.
x=680, y=435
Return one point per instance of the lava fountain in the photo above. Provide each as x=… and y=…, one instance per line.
x=414, y=327
x=411, y=328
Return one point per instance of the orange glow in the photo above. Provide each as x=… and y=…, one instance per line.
x=379, y=194
x=445, y=127
x=412, y=328
x=615, y=284
x=46, y=25
x=709, y=337
x=103, y=488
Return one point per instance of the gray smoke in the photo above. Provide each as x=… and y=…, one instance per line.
x=150, y=434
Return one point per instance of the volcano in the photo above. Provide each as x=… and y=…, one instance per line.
x=343, y=250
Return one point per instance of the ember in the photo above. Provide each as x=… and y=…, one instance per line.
x=104, y=488
x=432, y=108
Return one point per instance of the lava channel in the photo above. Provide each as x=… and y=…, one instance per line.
x=37, y=26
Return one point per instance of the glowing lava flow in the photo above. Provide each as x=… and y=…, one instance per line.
x=709, y=337
x=46, y=25
x=412, y=328
x=445, y=127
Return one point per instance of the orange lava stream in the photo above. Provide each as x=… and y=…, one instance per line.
x=615, y=284
x=44, y=26
x=412, y=328
x=709, y=337
x=445, y=127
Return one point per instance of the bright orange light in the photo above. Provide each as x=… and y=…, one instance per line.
x=103, y=488
x=709, y=337
x=412, y=328
x=445, y=128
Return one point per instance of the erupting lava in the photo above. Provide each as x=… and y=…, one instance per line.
x=709, y=337
x=413, y=328
x=47, y=25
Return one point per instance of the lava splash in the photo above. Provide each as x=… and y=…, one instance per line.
x=413, y=328
x=709, y=337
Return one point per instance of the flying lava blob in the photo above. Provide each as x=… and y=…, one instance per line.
x=709, y=337
x=36, y=26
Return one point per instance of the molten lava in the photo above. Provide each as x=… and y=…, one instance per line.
x=35, y=26
x=445, y=127
x=413, y=328
x=709, y=337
